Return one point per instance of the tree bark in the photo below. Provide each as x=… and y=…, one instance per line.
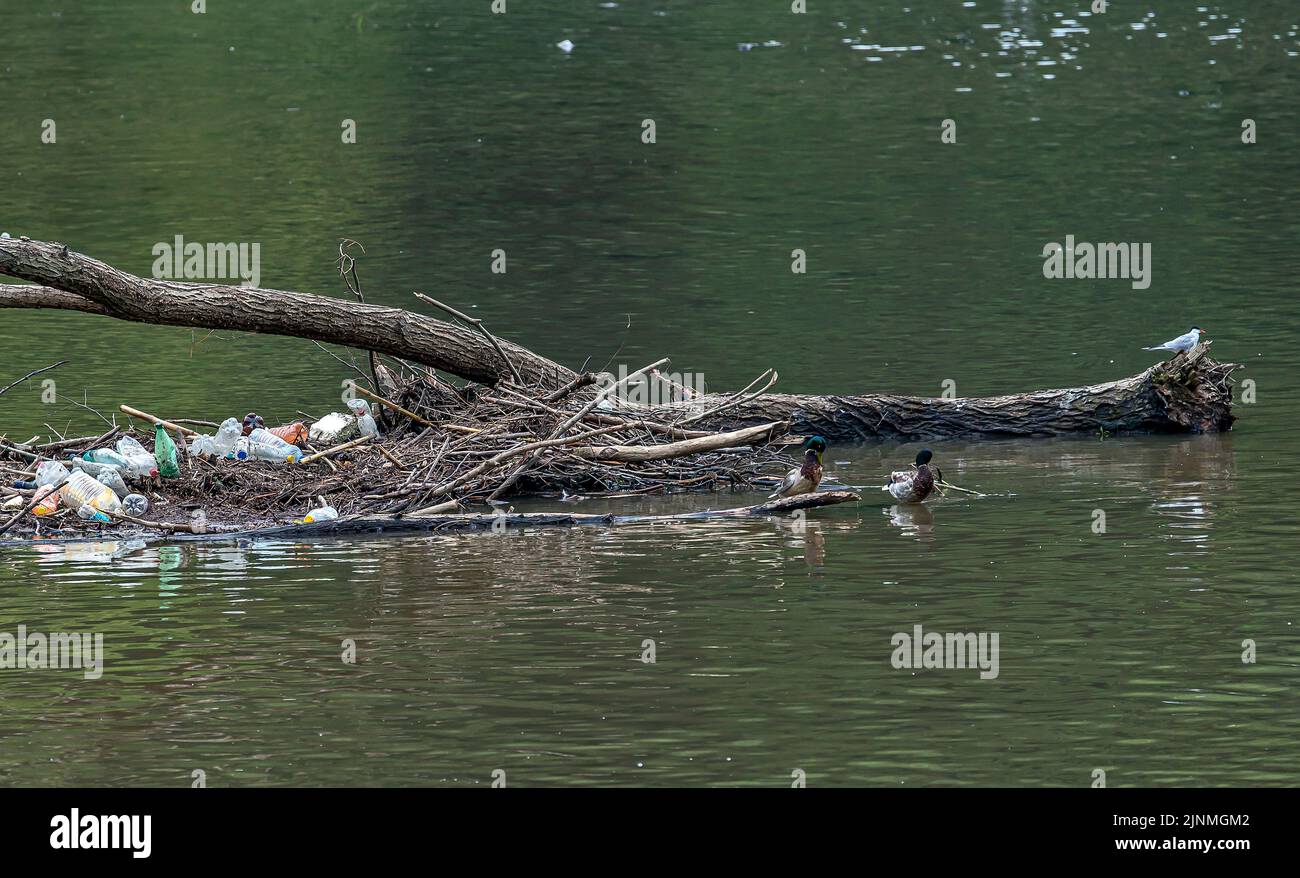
x=1189, y=393
x=393, y=331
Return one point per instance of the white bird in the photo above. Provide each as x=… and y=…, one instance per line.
x=1184, y=342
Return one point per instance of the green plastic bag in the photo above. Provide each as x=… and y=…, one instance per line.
x=164, y=452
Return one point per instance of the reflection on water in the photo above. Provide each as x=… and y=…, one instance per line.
x=1119, y=650
x=913, y=519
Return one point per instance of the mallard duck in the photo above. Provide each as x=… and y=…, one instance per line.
x=912, y=486
x=803, y=479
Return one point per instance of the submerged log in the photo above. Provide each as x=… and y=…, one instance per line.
x=1189, y=393
x=357, y=525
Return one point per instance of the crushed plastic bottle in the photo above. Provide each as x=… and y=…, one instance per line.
x=365, y=422
x=103, y=473
x=50, y=472
x=294, y=434
x=321, y=513
x=243, y=449
x=227, y=436
x=140, y=462
x=82, y=490
x=48, y=502
x=135, y=504
x=108, y=456
x=164, y=453
x=203, y=446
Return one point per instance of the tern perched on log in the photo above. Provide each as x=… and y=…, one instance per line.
x=1183, y=343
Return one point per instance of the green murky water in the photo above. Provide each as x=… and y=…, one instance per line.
x=523, y=652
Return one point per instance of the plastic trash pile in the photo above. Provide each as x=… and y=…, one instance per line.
x=95, y=485
x=251, y=440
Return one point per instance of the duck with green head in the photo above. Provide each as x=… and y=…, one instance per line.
x=914, y=485
x=805, y=478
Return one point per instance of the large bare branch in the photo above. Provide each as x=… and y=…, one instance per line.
x=393, y=331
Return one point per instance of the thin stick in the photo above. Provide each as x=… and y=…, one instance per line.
x=335, y=450
x=944, y=484
x=736, y=398
x=163, y=526
x=596, y=400
x=392, y=405
x=478, y=324
x=30, y=374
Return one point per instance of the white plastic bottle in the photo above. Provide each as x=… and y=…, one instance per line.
x=365, y=422
x=227, y=436
x=49, y=472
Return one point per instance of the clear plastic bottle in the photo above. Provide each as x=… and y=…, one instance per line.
x=49, y=472
x=142, y=464
x=135, y=504
x=227, y=435
x=203, y=446
x=321, y=513
x=82, y=490
x=108, y=456
x=266, y=437
x=365, y=422
x=103, y=473
x=282, y=453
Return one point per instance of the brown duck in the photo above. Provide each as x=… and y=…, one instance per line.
x=912, y=486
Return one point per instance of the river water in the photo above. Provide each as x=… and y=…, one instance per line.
x=529, y=653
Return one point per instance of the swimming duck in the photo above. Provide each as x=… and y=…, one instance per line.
x=912, y=486
x=803, y=479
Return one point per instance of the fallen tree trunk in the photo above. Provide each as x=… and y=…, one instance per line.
x=1189, y=393
x=73, y=281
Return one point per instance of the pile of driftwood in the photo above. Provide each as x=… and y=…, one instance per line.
x=441, y=449
x=467, y=416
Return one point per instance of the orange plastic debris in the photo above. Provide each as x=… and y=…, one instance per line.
x=294, y=434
